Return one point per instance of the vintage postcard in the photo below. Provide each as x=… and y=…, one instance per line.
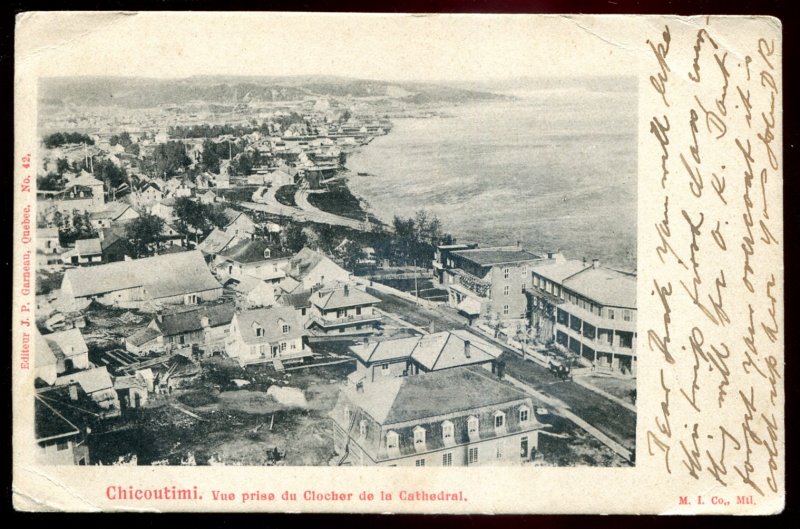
x=313, y=262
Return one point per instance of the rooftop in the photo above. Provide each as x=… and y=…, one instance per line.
x=496, y=256
x=606, y=286
x=161, y=276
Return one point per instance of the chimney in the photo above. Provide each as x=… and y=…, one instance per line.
x=346, y=290
x=519, y=244
x=595, y=263
x=549, y=254
x=584, y=261
x=431, y=329
x=73, y=391
x=467, y=348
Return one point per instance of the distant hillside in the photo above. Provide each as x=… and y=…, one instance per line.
x=143, y=92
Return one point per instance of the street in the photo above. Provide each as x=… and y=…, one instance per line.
x=617, y=422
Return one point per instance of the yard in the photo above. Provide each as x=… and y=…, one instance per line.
x=234, y=416
x=285, y=195
x=618, y=387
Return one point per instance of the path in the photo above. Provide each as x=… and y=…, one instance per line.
x=304, y=212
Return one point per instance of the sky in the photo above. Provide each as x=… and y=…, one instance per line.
x=385, y=47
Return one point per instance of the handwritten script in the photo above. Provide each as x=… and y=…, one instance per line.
x=716, y=279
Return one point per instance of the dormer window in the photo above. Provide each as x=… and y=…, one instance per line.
x=392, y=441
x=524, y=414
x=419, y=437
x=499, y=420
x=259, y=332
x=267, y=253
x=285, y=328
x=448, y=432
x=472, y=426
x=362, y=429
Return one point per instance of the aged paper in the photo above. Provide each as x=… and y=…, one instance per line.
x=394, y=263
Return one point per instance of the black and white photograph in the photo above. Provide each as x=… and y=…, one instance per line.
x=328, y=262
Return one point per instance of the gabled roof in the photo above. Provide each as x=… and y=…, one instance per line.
x=442, y=350
x=192, y=320
x=143, y=336
x=297, y=300
x=231, y=215
x=306, y=260
x=90, y=380
x=248, y=251
x=88, y=246
x=44, y=356
x=269, y=320
x=161, y=276
x=217, y=241
x=341, y=297
x=49, y=424
x=69, y=343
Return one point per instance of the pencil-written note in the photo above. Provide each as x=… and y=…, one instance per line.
x=716, y=278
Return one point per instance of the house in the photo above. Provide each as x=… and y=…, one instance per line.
x=342, y=311
x=254, y=258
x=267, y=335
x=164, y=208
x=132, y=391
x=48, y=247
x=490, y=282
x=113, y=213
x=150, y=192
x=310, y=269
x=300, y=301
x=254, y=292
x=176, y=278
x=115, y=247
x=238, y=224
x=96, y=383
x=59, y=440
x=209, y=197
x=217, y=241
x=205, y=325
x=442, y=260
x=45, y=362
x=69, y=350
x=588, y=309
x=452, y=417
x=86, y=181
x=422, y=354
x=184, y=189
x=86, y=252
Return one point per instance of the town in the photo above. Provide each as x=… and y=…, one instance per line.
x=212, y=293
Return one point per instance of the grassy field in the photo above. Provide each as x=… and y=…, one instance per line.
x=340, y=201
x=285, y=195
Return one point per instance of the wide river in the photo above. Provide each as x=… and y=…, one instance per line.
x=554, y=169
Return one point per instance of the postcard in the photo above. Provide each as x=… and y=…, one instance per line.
x=398, y=263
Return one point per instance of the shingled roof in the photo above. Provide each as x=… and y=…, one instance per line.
x=160, y=276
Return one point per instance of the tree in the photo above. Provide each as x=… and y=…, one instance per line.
x=293, y=238
x=169, y=159
x=49, y=182
x=143, y=232
x=352, y=253
x=327, y=237
x=106, y=171
x=62, y=166
x=190, y=214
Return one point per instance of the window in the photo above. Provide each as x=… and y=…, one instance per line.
x=499, y=452
x=259, y=332
x=472, y=426
x=505, y=290
x=472, y=455
x=447, y=459
x=294, y=346
x=448, y=432
x=62, y=445
x=358, y=311
x=505, y=273
x=362, y=429
x=524, y=288
x=524, y=414
x=283, y=346
x=419, y=437
x=392, y=441
x=499, y=419
x=626, y=315
x=505, y=310
x=610, y=314
x=524, y=271
x=303, y=311
x=285, y=329
x=523, y=447
x=419, y=463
